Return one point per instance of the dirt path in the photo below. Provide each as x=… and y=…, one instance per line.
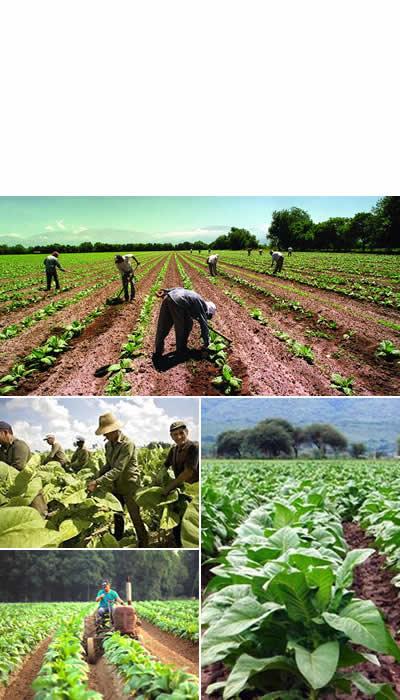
x=99, y=345
x=19, y=687
x=184, y=647
x=104, y=679
x=168, y=649
x=347, y=355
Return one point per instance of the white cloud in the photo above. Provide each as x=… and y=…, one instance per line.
x=60, y=224
x=49, y=228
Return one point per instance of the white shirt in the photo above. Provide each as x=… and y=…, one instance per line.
x=212, y=258
x=276, y=255
x=125, y=265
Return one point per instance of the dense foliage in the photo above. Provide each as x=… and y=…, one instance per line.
x=179, y=617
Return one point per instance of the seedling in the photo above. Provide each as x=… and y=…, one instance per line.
x=342, y=384
x=387, y=350
x=227, y=382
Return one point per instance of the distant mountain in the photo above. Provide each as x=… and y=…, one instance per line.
x=373, y=421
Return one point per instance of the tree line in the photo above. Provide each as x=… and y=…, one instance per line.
x=63, y=575
x=236, y=239
x=377, y=229
x=275, y=437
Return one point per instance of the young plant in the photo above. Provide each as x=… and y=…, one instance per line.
x=227, y=382
x=342, y=384
x=387, y=350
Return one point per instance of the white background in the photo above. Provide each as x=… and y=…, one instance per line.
x=182, y=97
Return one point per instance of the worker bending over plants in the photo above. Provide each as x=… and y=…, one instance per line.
x=16, y=453
x=124, y=266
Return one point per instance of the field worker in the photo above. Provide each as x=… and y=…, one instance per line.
x=191, y=251
x=106, y=598
x=179, y=307
x=260, y=252
x=183, y=457
x=212, y=264
x=51, y=263
x=80, y=458
x=277, y=258
x=124, y=266
x=16, y=453
x=56, y=453
x=120, y=476
x=290, y=251
x=248, y=252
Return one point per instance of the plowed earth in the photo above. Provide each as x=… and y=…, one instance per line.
x=372, y=581
x=266, y=365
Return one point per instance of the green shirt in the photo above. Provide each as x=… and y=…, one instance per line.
x=15, y=455
x=187, y=456
x=80, y=458
x=121, y=472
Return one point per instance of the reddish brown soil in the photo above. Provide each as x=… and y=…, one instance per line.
x=103, y=678
x=352, y=357
x=169, y=651
x=19, y=684
x=98, y=345
x=184, y=647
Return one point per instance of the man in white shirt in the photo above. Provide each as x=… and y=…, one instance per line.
x=124, y=266
x=212, y=264
x=277, y=258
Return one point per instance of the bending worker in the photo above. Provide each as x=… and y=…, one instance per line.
x=179, y=307
x=212, y=264
x=106, y=598
x=16, y=453
x=120, y=475
x=125, y=268
x=80, y=458
x=56, y=453
x=51, y=263
x=277, y=258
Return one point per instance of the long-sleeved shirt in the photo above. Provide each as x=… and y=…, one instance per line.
x=121, y=471
x=183, y=457
x=80, y=458
x=276, y=255
x=126, y=265
x=16, y=454
x=212, y=258
x=194, y=305
x=51, y=263
x=56, y=454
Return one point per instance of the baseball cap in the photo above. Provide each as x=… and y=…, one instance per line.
x=104, y=583
x=176, y=425
x=79, y=438
x=5, y=426
x=49, y=435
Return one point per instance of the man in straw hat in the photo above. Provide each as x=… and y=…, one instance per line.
x=80, y=458
x=120, y=475
x=179, y=307
x=56, y=453
x=16, y=453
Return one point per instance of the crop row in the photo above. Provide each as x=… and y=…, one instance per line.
x=181, y=618
x=48, y=353
x=24, y=626
x=117, y=384
x=284, y=618
x=145, y=677
x=64, y=672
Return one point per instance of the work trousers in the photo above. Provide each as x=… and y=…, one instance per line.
x=134, y=512
x=128, y=280
x=212, y=266
x=173, y=315
x=279, y=265
x=52, y=275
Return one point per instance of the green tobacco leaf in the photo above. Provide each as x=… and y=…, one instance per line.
x=350, y=657
x=284, y=515
x=323, y=578
x=108, y=541
x=191, y=519
x=150, y=497
x=293, y=592
x=244, y=613
x=361, y=621
x=169, y=519
x=247, y=666
x=24, y=527
x=319, y=666
x=344, y=574
x=7, y=474
x=381, y=691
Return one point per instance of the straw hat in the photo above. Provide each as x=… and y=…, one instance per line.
x=107, y=424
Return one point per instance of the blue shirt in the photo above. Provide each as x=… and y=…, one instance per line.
x=108, y=598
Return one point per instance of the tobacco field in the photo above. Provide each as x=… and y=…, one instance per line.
x=328, y=324
x=77, y=519
x=302, y=560
x=42, y=651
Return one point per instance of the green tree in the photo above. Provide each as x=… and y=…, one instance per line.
x=357, y=449
x=324, y=435
x=270, y=439
x=231, y=443
x=363, y=228
x=290, y=227
x=387, y=210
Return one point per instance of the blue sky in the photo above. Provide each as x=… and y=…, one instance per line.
x=145, y=419
x=40, y=220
